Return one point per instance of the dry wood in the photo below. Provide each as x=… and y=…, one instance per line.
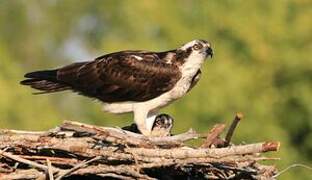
x=213, y=135
x=77, y=150
x=78, y=166
x=178, y=153
x=25, y=161
x=24, y=174
x=231, y=130
x=50, y=170
x=117, y=135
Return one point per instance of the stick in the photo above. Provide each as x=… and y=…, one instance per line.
x=24, y=175
x=53, y=160
x=25, y=161
x=117, y=135
x=293, y=166
x=119, y=169
x=213, y=134
x=213, y=153
x=50, y=172
x=116, y=176
x=231, y=130
x=80, y=165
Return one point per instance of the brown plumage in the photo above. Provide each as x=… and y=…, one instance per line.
x=122, y=76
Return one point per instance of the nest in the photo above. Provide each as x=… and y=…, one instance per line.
x=80, y=151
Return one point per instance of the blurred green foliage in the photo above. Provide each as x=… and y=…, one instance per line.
x=262, y=64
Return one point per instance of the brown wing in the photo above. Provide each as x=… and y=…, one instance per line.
x=122, y=76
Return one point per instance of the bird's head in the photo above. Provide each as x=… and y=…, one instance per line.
x=191, y=55
x=194, y=49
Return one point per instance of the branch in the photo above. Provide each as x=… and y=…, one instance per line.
x=213, y=135
x=78, y=166
x=25, y=161
x=123, y=136
x=50, y=170
x=178, y=153
x=231, y=130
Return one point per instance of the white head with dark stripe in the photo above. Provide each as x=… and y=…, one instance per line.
x=192, y=54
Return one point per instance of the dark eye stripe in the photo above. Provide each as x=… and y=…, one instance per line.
x=197, y=46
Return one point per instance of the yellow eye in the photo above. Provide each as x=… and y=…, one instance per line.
x=197, y=46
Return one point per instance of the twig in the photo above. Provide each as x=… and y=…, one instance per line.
x=231, y=130
x=78, y=166
x=119, y=135
x=25, y=161
x=117, y=176
x=53, y=160
x=21, y=174
x=176, y=139
x=22, y=132
x=118, y=169
x=213, y=134
x=292, y=166
x=50, y=172
x=213, y=153
x=135, y=157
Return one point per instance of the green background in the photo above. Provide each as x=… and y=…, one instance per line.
x=262, y=64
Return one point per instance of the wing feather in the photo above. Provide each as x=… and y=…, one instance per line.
x=121, y=77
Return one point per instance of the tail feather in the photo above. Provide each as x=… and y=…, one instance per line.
x=47, y=75
x=45, y=81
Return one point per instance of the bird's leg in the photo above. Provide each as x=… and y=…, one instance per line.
x=150, y=119
x=140, y=113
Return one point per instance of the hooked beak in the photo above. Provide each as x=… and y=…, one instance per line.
x=209, y=52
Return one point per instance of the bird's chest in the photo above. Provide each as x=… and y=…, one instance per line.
x=179, y=90
x=185, y=84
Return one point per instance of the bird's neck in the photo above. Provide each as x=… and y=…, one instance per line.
x=192, y=65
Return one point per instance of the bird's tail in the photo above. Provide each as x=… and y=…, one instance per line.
x=45, y=81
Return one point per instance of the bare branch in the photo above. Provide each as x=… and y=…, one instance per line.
x=25, y=161
x=50, y=172
x=212, y=153
x=213, y=134
x=231, y=130
x=78, y=166
x=292, y=166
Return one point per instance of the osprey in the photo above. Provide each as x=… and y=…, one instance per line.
x=141, y=82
